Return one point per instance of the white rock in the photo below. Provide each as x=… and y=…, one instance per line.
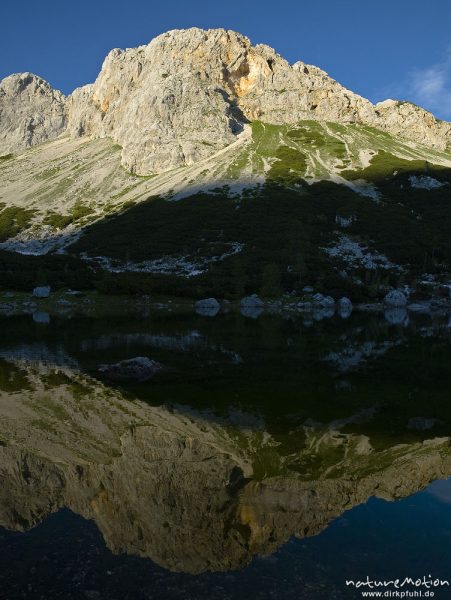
x=425, y=182
x=42, y=291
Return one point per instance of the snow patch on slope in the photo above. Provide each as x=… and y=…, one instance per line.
x=183, y=266
x=424, y=182
x=357, y=255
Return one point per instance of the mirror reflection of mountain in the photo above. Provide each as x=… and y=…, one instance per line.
x=196, y=469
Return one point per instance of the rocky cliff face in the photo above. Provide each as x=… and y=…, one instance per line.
x=31, y=112
x=190, y=93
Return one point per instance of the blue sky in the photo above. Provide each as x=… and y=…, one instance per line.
x=388, y=48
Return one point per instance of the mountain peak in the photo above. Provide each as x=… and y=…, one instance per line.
x=31, y=112
x=188, y=94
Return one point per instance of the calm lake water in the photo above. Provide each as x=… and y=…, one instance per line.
x=273, y=458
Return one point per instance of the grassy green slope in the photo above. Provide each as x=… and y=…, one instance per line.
x=259, y=216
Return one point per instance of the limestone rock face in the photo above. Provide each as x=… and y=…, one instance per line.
x=166, y=103
x=190, y=93
x=31, y=112
x=414, y=123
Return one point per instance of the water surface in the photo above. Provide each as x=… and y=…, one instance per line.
x=273, y=458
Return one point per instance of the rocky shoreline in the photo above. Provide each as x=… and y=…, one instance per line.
x=397, y=306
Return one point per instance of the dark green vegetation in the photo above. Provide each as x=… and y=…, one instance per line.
x=283, y=232
x=13, y=220
x=281, y=228
x=78, y=212
x=386, y=169
x=25, y=272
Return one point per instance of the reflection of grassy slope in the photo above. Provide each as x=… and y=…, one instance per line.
x=409, y=380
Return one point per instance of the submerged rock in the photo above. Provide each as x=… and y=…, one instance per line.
x=417, y=307
x=253, y=300
x=328, y=302
x=326, y=312
x=421, y=423
x=395, y=298
x=324, y=301
x=42, y=291
x=344, y=307
x=6, y=308
x=397, y=316
x=140, y=368
x=75, y=293
x=208, y=307
x=252, y=311
x=41, y=317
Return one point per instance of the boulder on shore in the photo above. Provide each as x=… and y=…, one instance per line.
x=208, y=307
x=395, y=299
x=42, y=291
x=41, y=317
x=323, y=301
x=253, y=300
